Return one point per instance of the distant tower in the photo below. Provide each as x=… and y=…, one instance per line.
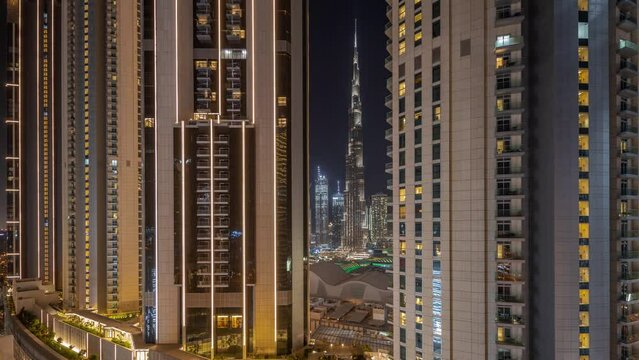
x=337, y=217
x=321, y=208
x=354, y=195
x=378, y=216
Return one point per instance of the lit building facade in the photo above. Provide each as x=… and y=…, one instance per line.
x=513, y=143
x=321, y=208
x=337, y=218
x=30, y=116
x=101, y=136
x=354, y=190
x=227, y=242
x=378, y=223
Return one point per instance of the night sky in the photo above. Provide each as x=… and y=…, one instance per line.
x=331, y=47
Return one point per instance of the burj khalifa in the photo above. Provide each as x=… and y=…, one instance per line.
x=354, y=195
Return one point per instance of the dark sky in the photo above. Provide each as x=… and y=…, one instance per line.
x=331, y=47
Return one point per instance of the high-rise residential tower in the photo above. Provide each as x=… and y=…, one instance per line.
x=337, y=217
x=354, y=192
x=30, y=148
x=514, y=136
x=378, y=223
x=321, y=208
x=101, y=133
x=227, y=237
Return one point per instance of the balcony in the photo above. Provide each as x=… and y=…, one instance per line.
x=222, y=152
x=509, y=213
x=222, y=163
x=389, y=168
x=630, y=339
x=509, y=151
x=627, y=22
x=509, y=109
x=628, y=172
x=627, y=235
x=504, y=277
x=221, y=187
x=509, y=129
x=630, y=298
x=508, y=43
x=629, y=277
x=509, y=172
x=629, y=214
x=627, y=4
x=203, y=33
x=628, y=152
x=508, y=17
x=629, y=255
x=627, y=89
x=388, y=63
x=626, y=48
x=222, y=199
x=627, y=131
x=509, y=67
x=510, y=342
x=389, y=134
x=510, y=319
x=222, y=139
x=509, y=235
x=627, y=68
x=509, y=256
x=202, y=139
x=203, y=187
x=630, y=318
x=509, y=192
x=629, y=194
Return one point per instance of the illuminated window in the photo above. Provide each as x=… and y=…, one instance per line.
x=583, y=120
x=402, y=88
x=584, y=231
x=584, y=252
x=418, y=38
x=584, y=208
x=402, y=47
x=402, y=247
x=584, y=187
x=418, y=190
x=402, y=211
x=402, y=123
x=583, y=142
x=281, y=122
x=402, y=12
x=402, y=318
x=583, y=53
x=402, y=194
x=419, y=320
x=281, y=101
x=584, y=341
x=583, y=98
x=501, y=334
x=402, y=30
x=583, y=5
x=236, y=321
x=584, y=318
x=437, y=112
x=418, y=18
x=584, y=275
x=583, y=164
x=223, y=321
x=583, y=76
x=584, y=297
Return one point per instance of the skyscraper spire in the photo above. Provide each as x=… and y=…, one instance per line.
x=354, y=194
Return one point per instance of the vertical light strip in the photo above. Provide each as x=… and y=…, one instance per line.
x=177, y=81
x=219, y=65
x=252, y=61
x=155, y=159
x=212, y=235
x=38, y=134
x=52, y=116
x=274, y=179
x=183, y=157
x=20, y=137
x=244, y=312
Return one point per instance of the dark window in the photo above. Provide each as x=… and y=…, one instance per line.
x=437, y=190
x=402, y=335
x=418, y=173
x=436, y=151
x=418, y=266
x=436, y=171
x=464, y=47
x=402, y=176
x=402, y=158
x=436, y=28
x=418, y=229
x=437, y=229
x=418, y=154
x=402, y=104
x=418, y=285
x=418, y=62
x=418, y=80
x=436, y=9
x=418, y=99
x=436, y=73
x=436, y=210
x=418, y=211
x=402, y=141
x=436, y=93
x=418, y=136
x=436, y=132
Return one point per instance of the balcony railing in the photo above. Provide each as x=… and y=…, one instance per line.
x=510, y=319
x=630, y=276
x=629, y=297
x=628, y=255
x=509, y=277
x=505, y=41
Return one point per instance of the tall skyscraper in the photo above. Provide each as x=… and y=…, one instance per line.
x=354, y=192
x=337, y=217
x=514, y=134
x=101, y=133
x=378, y=223
x=227, y=243
x=321, y=208
x=30, y=148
